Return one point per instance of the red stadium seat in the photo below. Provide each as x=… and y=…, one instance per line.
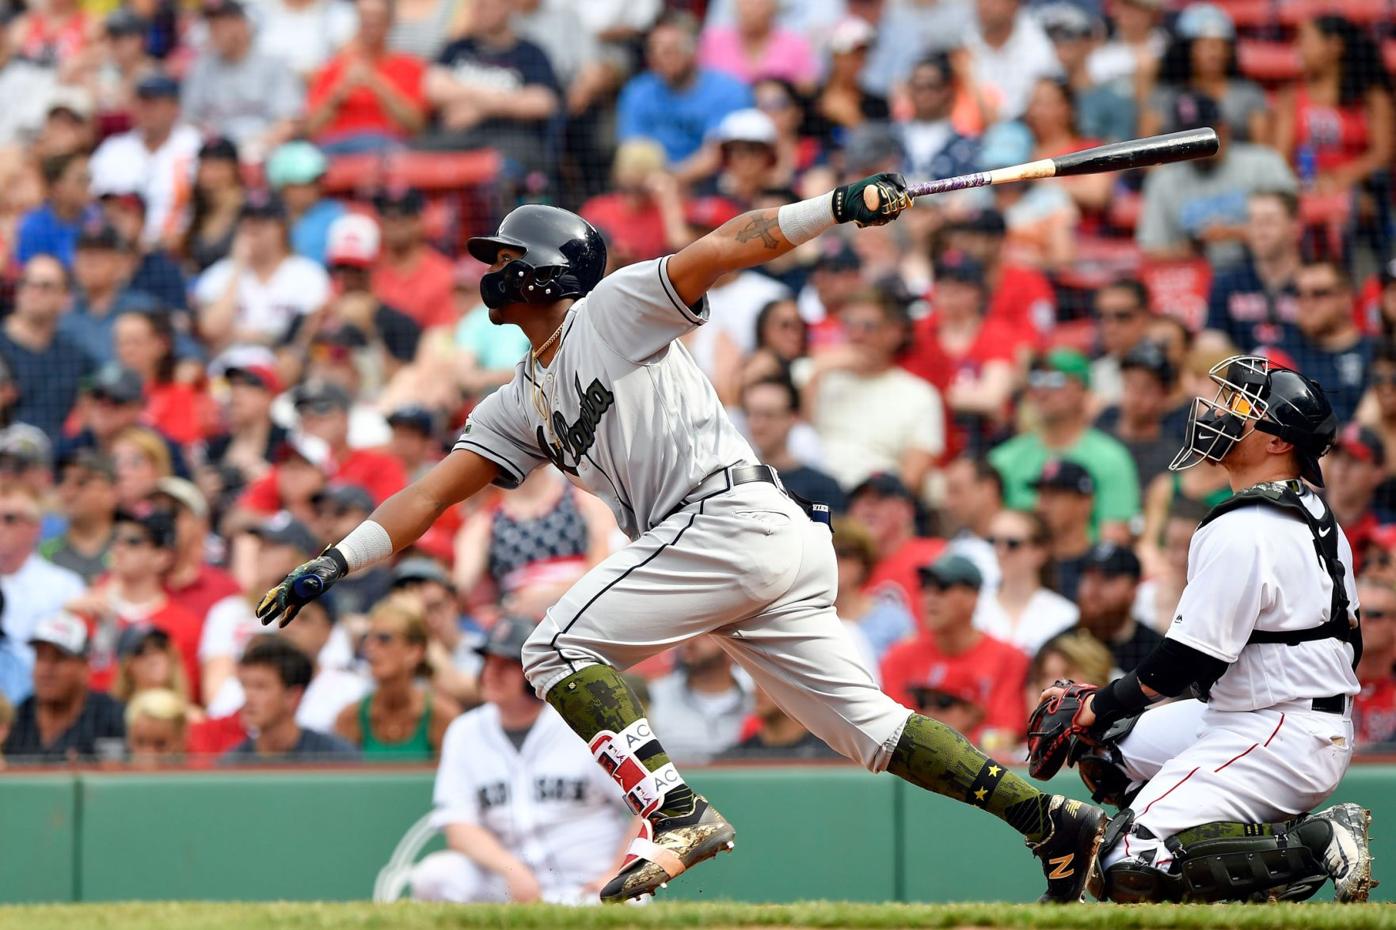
x=1388, y=54
x=1329, y=212
x=1361, y=12
x=1100, y=260
x=1124, y=211
x=1249, y=14
x=350, y=174
x=442, y=171
x=1267, y=62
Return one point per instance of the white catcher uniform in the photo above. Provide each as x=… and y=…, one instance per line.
x=547, y=802
x=1257, y=751
x=631, y=418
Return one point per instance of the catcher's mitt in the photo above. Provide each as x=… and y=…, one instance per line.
x=1052, y=727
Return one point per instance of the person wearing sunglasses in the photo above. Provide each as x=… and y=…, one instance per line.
x=1324, y=343
x=400, y=721
x=1122, y=317
x=1374, y=708
x=1353, y=472
x=32, y=586
x=948, y=646
x=1022, y=610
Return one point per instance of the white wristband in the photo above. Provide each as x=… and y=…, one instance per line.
x=801, y=222
x=367, y=544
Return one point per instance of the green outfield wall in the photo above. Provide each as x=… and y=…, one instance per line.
x=802, y=833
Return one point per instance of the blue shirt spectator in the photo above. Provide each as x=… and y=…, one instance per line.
x=676, y=103
x=16, y=672
x=1325, y=343
x=1255, y=302
x=44, y=363
x=52, y=228
x=310, y=233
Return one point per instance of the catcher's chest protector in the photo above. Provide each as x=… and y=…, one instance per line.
x=1285, y=495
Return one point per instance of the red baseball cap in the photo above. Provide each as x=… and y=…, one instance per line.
x=264, y=375
x=352, y=240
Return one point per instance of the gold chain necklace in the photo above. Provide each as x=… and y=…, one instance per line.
x=540, y=400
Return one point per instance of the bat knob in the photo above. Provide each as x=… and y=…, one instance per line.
x=871, y=199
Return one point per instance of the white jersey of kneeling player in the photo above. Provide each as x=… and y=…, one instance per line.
x=547, y=803
x=1257, y=751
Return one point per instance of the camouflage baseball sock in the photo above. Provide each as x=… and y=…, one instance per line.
x=931, y=755
x=597, y=699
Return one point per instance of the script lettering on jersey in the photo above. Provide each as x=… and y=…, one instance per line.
x=576, y=438
x=559, y=789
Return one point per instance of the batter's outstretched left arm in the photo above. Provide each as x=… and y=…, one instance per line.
x=758, y=236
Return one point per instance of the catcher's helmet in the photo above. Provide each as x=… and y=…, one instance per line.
x=1278, y=401
x=564, y=256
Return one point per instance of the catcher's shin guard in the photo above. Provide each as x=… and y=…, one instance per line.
x=666, y=848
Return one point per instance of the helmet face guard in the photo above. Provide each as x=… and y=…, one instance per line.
x=1215, y=426
x=520, y=283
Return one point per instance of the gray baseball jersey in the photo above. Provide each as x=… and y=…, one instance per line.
x=622, y=409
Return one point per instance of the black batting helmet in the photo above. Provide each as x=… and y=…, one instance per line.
x=1278, y=401
x=563, y=256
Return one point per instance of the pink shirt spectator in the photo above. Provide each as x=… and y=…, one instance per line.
x=786, y=55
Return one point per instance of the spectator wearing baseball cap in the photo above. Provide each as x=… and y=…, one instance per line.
x=884, y=507
x=257, y=293
x=339, y=507
x=104, y=264
x=86, y=486
x=746, y=142
x=64, y=720
x=26, y=457
x=113, y=403
x=1107, y=595
x=415, y=439
x=153, y=157
x=252, y=438
x=157, y=273
x=203, y=588
x=296, y=172
x=452, y=650
x=1356, y=468
x=323, y=409
x=1198, y=207
x=355, y=312
x=1202, y=58
x=949, y=652
x=1059, y=391
x=133, y=594
x=1066, y=495
x=1105, y=109
x=236, y=90
x=409, y=274
x=1147, y=421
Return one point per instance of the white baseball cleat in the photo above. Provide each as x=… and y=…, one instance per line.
x=1348, y=858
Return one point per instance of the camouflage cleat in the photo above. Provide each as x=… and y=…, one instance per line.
x=1068, y=852
x=667, y=848
x=1348, y=858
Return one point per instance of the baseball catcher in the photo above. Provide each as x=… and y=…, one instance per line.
x=717, y=545
x=1214, y=790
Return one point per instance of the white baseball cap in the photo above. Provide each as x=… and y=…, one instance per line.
x=850, y=33
x=749, y=125
x=352, y=240
x=63, y=630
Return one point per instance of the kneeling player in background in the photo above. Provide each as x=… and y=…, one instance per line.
x=527, y=814
x=1215, y=793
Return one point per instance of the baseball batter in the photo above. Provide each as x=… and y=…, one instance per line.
x=1266, y=633
x=609, y=397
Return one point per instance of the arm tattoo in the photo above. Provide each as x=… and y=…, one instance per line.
x=760, y=228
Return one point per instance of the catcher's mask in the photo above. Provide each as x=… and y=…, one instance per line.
x=1253, y=394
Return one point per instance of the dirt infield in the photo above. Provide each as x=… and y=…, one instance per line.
x=715, y=916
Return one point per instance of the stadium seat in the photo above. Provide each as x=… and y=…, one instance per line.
x=1330, y=213
x=1360, y=12
x=441, y=171
x=1249, y=14
x=1388, y=54
x=350, y=174
x=1100, y=260
x=1267, y=62
x=1124, y=210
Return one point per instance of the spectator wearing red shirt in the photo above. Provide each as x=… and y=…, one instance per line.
x=411, y=275
x=144, y=343
x=192, y=581
x=966, y=354
x=133, y=594
x=323, y=407
x=886, y=509
x=366, y=98
x=1374, y=708
x=950, y=656
x=629, y=212
x=1352, y=472
x=1019, y=295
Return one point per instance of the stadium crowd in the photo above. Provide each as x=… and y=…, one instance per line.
x=236, y=315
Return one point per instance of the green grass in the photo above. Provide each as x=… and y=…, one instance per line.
x=720, y=916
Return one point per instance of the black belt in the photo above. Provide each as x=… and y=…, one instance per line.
x=1333, y=704
x=720, y=482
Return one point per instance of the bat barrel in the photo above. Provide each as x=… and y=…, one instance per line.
x=1140, y=153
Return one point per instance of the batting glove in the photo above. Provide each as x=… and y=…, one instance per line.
x=851, y=200
x=304, y=584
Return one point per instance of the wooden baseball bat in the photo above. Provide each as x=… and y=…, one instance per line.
x=1116, y=156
